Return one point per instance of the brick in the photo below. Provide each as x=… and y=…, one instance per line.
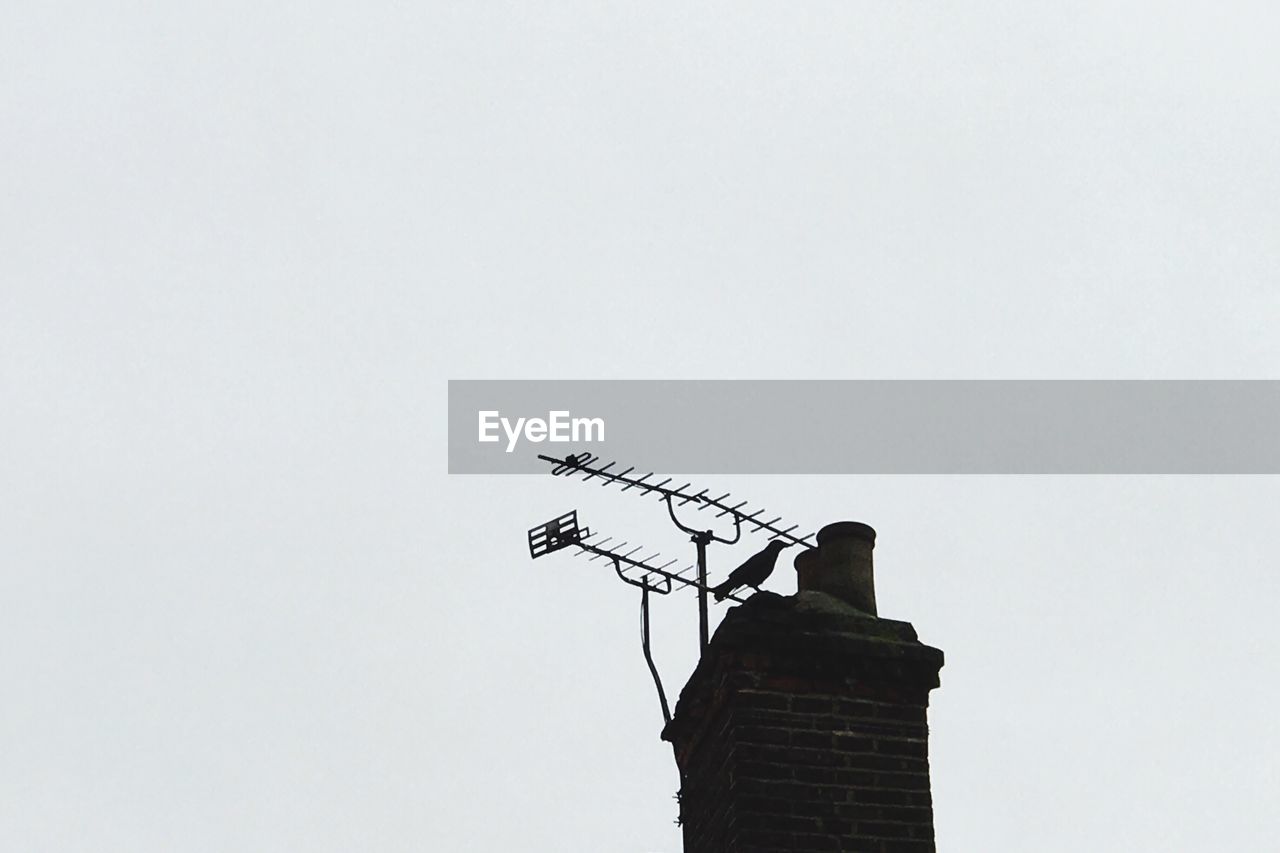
x=905, y=781
x=903, y=845
x=876, y=761
x=817, y=775
x=767, y=805
x=880, y=796
x=903, y=747
x=862, y=811
x=763, y=700
x=856, y=778
x=814, y=808
x=884, y=830
x=776, y=735
x=779, y=719
x=818, y=740
x=836, y=827
x=813, y=704
x=763, y=770
x=901, y=713
x=852, y=742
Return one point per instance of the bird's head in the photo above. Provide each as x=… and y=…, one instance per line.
x=778, y=544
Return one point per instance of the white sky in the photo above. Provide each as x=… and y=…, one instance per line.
x=242, y=248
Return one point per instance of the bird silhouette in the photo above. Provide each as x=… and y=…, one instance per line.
x=753, y=572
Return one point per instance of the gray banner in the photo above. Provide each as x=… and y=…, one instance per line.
x=869, y=427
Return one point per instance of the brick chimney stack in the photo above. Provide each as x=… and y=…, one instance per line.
x=803, y=727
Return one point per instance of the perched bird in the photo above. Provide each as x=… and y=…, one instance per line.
x=753, y=572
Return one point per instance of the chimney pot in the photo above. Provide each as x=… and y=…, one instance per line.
x=841, y=565
x=847, y=530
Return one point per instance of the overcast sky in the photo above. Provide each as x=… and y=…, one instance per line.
x=243, y=247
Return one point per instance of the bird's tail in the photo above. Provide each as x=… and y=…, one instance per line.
x=722, y=590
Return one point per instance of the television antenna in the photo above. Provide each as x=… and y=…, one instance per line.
x=588, y=465
x=651, y=574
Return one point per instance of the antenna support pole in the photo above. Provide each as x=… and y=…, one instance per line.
x=701, y=539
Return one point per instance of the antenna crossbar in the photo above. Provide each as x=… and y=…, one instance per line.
x=586, y=464
x=646, y=566
x=563, y=532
